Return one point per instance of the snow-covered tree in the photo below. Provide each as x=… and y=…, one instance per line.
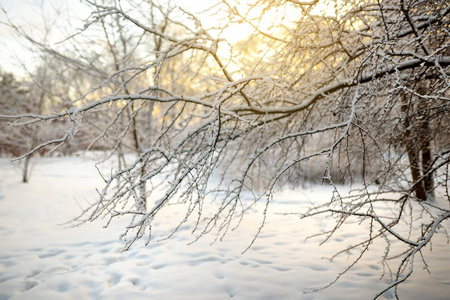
x=356, y=89
x=12, y=99
x=16, y=98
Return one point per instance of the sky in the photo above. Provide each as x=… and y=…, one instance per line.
x=34, y=14
x=31, y=14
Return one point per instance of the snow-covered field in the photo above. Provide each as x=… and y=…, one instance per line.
x=41, y=260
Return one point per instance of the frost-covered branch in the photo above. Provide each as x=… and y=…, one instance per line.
x=357, y=98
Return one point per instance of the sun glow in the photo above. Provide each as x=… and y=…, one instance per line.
x=325, y=8
x=254, y=19
x=271, y=20
x=242, y=25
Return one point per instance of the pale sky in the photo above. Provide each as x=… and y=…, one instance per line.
x=31, y=14
x=39, y=13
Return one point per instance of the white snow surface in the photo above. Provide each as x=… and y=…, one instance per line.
x=40, y=259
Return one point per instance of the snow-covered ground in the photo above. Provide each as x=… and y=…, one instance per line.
x=41, y=260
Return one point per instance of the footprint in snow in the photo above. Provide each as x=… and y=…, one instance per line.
x=64, y=287
x=114, y=279
x=28, y=285
x=51, y=253
x=33, y=274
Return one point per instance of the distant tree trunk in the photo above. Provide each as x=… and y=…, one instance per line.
x=428, y=181
x=26, y=173
x=416, y=145
x=33, y=142
x=415, y=166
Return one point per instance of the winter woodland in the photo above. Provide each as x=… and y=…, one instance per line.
x=219, y=109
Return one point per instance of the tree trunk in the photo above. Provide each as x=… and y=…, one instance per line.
x=428, y=181
x=414, y=165
x=25, y=173
x=414, y=147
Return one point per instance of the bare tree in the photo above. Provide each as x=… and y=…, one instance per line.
x=17, y=97
x=12, y=99
x=362, y=89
